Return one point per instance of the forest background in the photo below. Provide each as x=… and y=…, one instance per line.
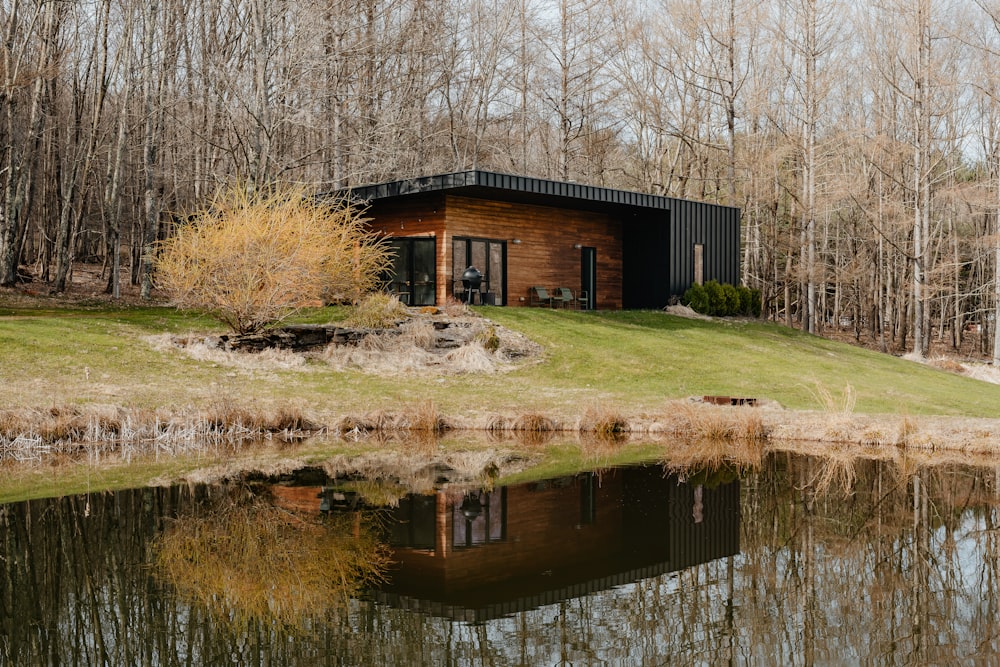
x=860, y=140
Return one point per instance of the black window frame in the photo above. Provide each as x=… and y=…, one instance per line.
x=406, y=286
x=488, y=281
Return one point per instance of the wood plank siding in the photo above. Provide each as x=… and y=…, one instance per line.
x=546, y=255
x=560, y=538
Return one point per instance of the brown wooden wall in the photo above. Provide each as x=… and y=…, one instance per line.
x=417, y=216
x=545, y=256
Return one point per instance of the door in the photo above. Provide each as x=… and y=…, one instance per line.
x=588, y=278
x=489, y=256
x=413, y=276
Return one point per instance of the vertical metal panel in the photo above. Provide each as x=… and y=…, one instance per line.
x=717, y=228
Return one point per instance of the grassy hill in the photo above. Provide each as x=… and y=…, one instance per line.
x=642, y=356
x=631, y=361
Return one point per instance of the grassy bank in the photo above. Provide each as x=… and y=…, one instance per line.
x=69, y=369
x=632, y=362
x=638, y=357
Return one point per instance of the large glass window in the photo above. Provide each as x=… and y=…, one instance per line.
x=489, y=256
x=414, y=268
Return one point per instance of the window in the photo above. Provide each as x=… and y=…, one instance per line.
x=481, y=518
x=487, y=255
x=699, y=263
x=413, y=276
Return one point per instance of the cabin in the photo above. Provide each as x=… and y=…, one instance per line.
x=584, y=246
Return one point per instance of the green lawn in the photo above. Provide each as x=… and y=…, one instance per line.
x=638, y=358
x=631, y=361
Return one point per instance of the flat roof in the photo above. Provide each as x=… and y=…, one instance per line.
x=491, y=185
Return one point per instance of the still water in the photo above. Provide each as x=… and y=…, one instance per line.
x=797, y=561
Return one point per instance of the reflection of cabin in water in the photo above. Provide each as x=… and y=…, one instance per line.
x=482, y=555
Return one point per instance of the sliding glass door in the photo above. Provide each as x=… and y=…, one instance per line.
x=414, y=271
x=489, y=256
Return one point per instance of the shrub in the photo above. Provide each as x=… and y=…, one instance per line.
x=378, y=311
x=744, y=296
x=719, y=300
x=716, y=298
x=251, y=260
x=756, y=303
x=697, y=299
x=731, y=297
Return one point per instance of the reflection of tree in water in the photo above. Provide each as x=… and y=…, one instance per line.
x=247, y=559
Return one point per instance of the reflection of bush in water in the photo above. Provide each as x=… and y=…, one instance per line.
x=257, y=562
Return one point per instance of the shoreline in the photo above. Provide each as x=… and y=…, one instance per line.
x=477, y=456
x=33, y=434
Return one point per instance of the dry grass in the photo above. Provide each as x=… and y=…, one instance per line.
x=529, y=430
x=604, y=422
x=29, y=434
x=721, y=424
x=710, y=436
x=499, y=425
x=202, y=349
x=454, y=308
x=907, y=432
x=412, y=349
x=946, y=364
x=422, y=417
x=418, y=332
x=534, y=430
x=842, y=404
x=378, y=311
x=535, y=422
x=471, y=358
x=425, y=417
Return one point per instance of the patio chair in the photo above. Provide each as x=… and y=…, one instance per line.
x=539, y=296
x=582, y=301
x=564, y=297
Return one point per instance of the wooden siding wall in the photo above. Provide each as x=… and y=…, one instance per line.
x=545, y=256
x=421, y=217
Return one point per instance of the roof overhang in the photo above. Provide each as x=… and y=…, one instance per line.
x=520, y=189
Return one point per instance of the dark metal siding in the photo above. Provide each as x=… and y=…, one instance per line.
x=520, y=184
x=715, y=227
x=645, y=261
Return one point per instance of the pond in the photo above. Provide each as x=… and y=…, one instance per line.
x=799, y=560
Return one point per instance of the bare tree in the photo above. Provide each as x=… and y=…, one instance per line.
x=29, y=59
